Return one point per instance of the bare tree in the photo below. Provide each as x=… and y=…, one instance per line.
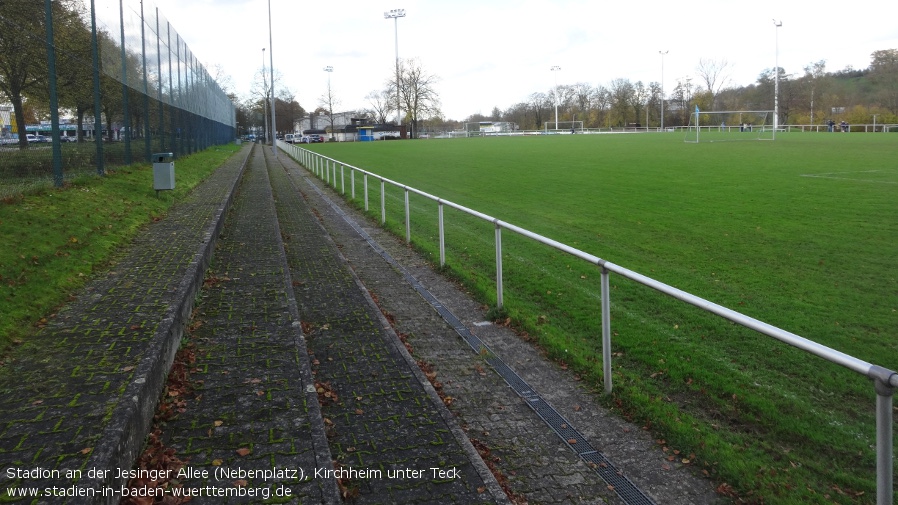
x=418, y=92
x=715, y=75
x=328, y=101
x=379, y=105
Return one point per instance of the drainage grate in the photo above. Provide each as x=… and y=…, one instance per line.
x=621, y=485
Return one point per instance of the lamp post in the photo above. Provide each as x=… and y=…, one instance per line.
x=395, y=14
x=265, y=100
x=274, y=129
x=662, y=53
x=776, y=82
x=330, y=103
x=555, y=69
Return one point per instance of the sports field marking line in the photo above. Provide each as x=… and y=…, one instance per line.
x=829, y=175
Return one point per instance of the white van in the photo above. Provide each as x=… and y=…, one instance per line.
x=288, y=138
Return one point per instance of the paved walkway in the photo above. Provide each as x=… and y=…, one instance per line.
x=303, y=390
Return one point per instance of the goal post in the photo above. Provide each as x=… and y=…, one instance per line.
x=729, y=125
x=563, y=126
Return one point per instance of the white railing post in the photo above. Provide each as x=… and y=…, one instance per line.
x=442, y=233
x=606, y=329
x=352, y=181
x=342, y=180
x=884, y=427
x=499, y=301
x=383, y=202
x=365, y=177
x=408, y=224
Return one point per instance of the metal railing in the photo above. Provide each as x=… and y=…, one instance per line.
x=884, y=380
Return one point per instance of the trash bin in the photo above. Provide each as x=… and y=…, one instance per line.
x=163, y=171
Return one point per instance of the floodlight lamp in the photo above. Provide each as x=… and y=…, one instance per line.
x=777, y=23
x=328, y=68
x=555, y=67
x=394, y=13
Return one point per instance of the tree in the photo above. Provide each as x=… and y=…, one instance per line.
x=884, y=74
x=329, y=102
x=417, y=92
x=23, y=67
x=714, y=75
x=379, y=105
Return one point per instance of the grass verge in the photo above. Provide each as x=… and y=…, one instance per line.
x=54, y=240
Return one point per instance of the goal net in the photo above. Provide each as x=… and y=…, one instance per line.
x=563, y=127
x=729, y=126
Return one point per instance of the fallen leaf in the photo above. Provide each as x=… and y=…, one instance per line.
x=240, y=483
x=218, y=423
x=243, y=451
x=87, y=450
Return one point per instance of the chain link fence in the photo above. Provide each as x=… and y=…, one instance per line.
x=91, y=84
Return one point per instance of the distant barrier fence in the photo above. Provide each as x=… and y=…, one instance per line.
x=127, y=81
x=858, y=128
x=885, y=381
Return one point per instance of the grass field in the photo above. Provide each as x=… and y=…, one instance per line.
x=800, y=233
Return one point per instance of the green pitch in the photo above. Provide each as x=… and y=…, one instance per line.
x=801, y=233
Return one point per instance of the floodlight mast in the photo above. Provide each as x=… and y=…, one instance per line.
x=662, y=53
x=555, y=69
x=329, y=69
x=395, y=14
x=776, y=82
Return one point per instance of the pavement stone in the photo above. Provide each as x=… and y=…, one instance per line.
x=383, y=416
x=254, y=389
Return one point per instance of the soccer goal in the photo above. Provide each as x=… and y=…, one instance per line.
x=563, y=127
x=730, y=126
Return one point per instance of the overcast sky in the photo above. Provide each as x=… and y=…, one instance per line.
x=495, y=53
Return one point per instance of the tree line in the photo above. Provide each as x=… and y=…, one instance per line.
x=806, y=97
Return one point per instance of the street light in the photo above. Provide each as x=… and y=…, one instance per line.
x=555, y=69
x=274, y=129
x=776, y=82
x=330, y=105
x=662, y=53
x=395, y=14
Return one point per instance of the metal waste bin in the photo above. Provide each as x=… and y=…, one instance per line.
x=163, y=171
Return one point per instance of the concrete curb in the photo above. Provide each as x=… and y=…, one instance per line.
x=123, y=438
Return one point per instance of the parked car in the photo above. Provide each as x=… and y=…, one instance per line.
x=314, y=138
x=303, y=140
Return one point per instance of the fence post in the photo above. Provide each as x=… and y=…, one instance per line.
x=408, y=226
x=365, y=178
x=54, y=101
x=499, y=300
x=442, y=233
x=884, y=463
x=342, y=180
x=383, y=202
x=352, y=181
x=606, y=329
